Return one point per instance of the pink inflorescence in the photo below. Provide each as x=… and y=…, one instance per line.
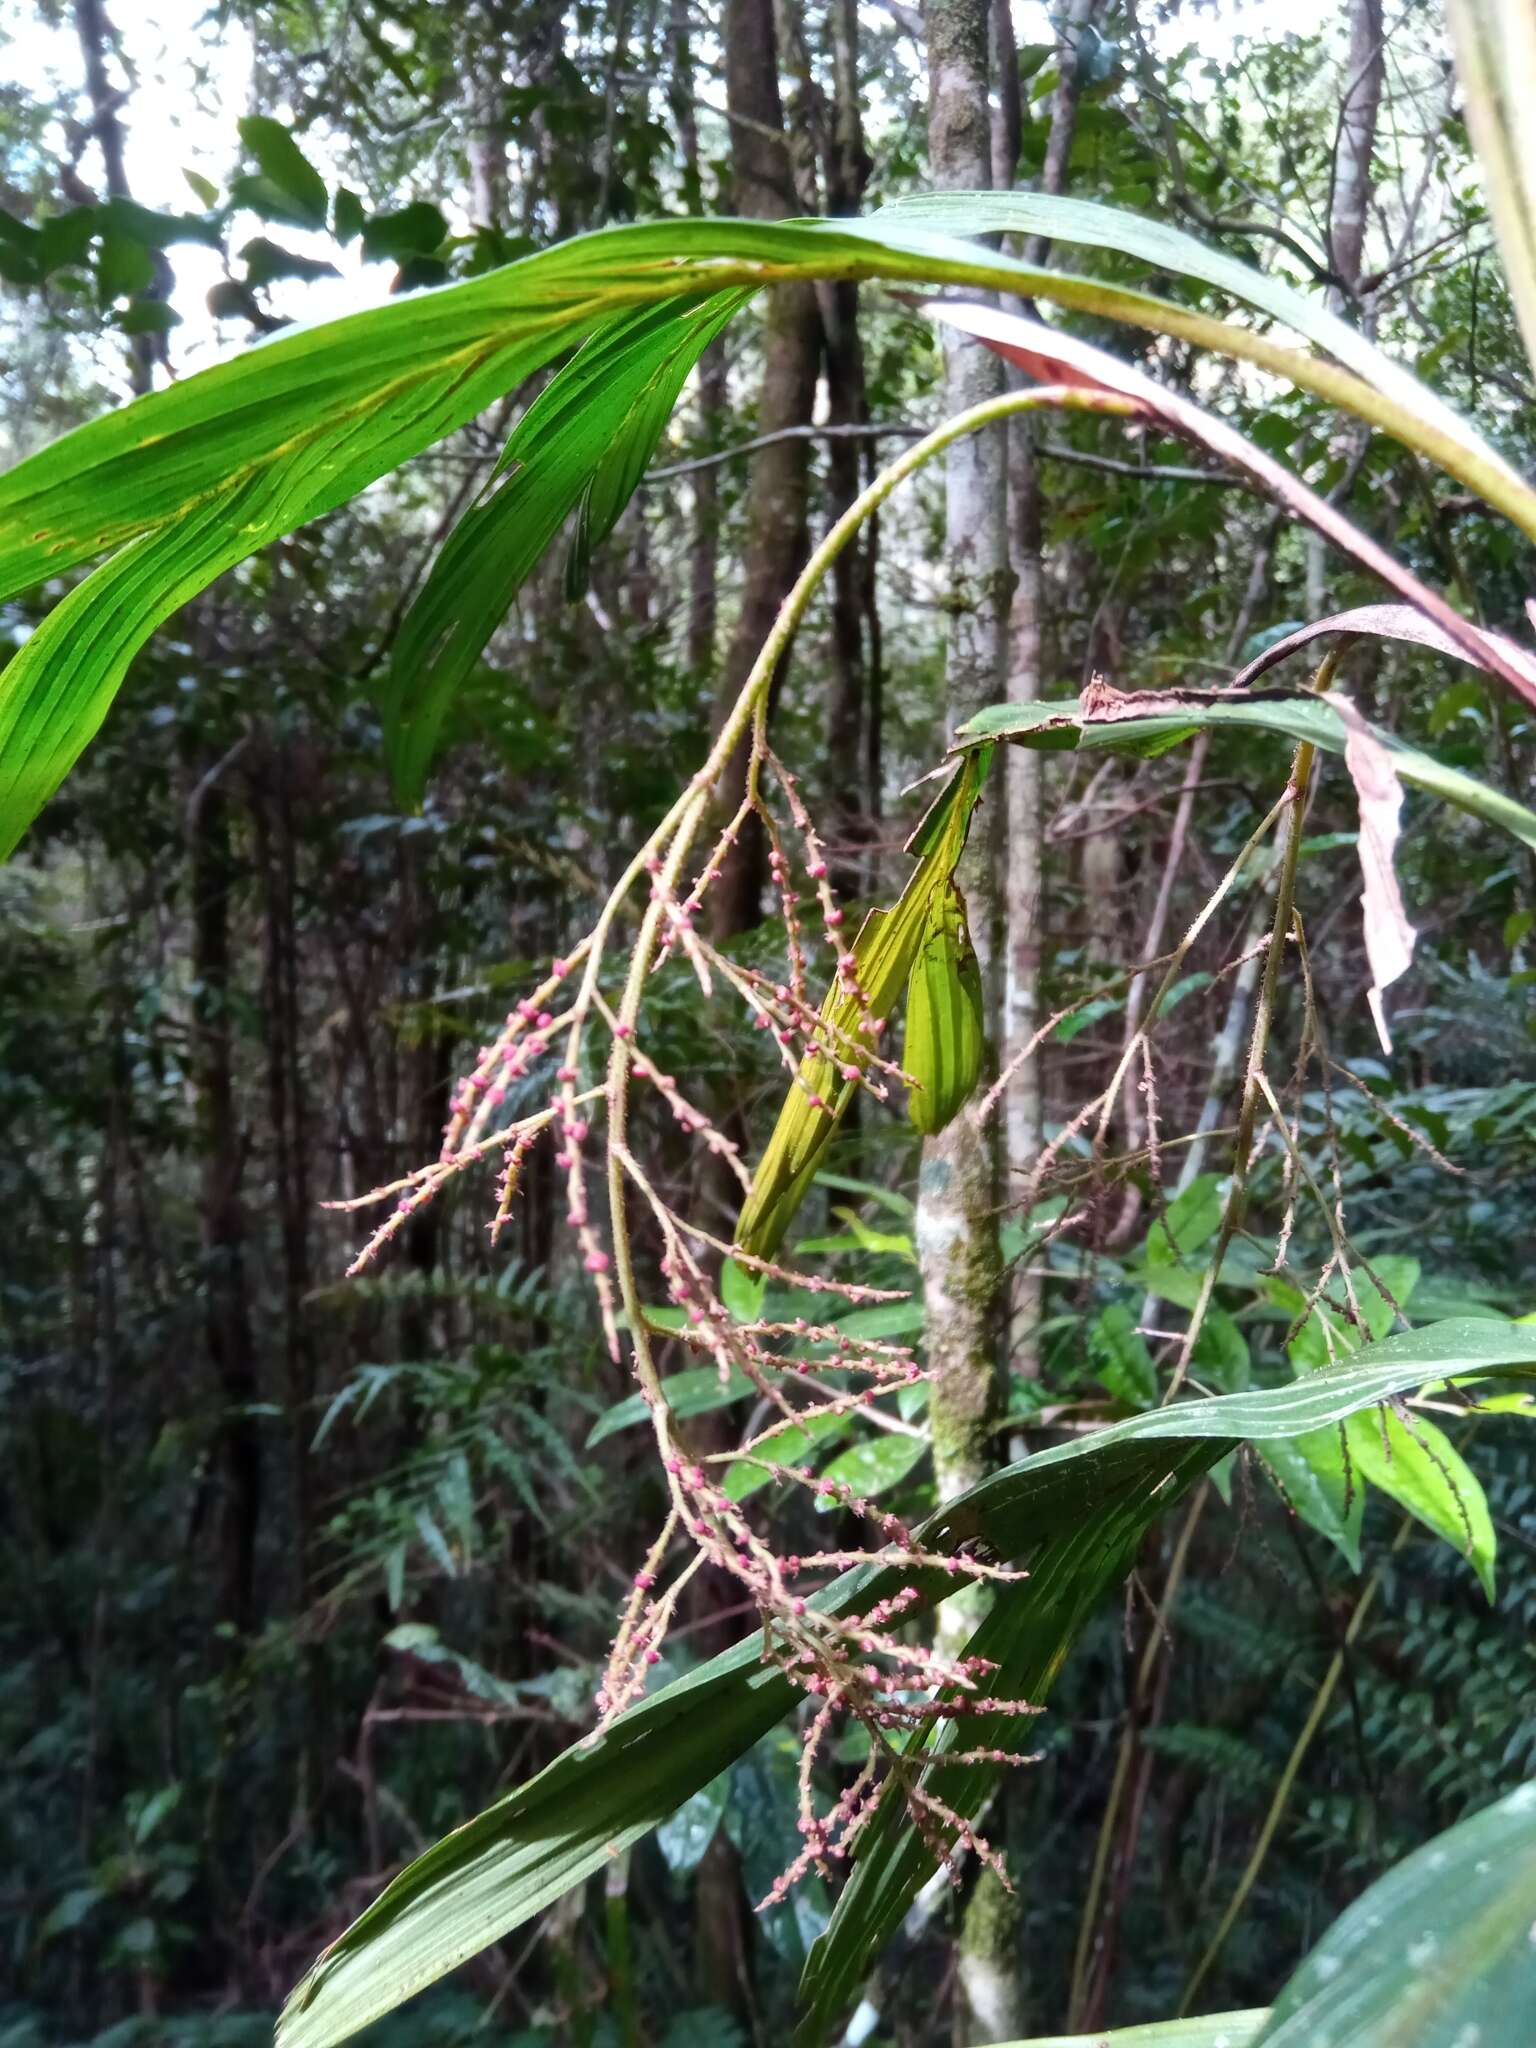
x=526, y=1083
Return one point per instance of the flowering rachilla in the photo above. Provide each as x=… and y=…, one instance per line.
x=576, y=1041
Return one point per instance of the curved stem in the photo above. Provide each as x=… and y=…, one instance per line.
x=679, y=829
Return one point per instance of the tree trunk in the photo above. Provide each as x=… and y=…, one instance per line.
x=956, y=1230
x=96, y=37
x=1349, y=205
x=846, y=170
x=956, y=1221
x=776, y=542
x=1023, y=1101
x=231, y=1348
x=704, y=535
x=1364, y=73
x=487, y=144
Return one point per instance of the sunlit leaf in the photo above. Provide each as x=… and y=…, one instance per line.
x=1191, y=1219
x=244, y=452
x=1437, y=1954
x=1315, y=1481
x=790, y=1444
x=871, y=1468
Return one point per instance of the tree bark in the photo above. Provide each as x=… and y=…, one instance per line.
x=957, y=1191
x=846, y=168
x=710, y=387
x=487, y=144
x=227, y=1313
x=1023, y=1101
x=96, y=37
x=1364, y=74
x=1349, y=205
x=957, y=1240
x=777, y=531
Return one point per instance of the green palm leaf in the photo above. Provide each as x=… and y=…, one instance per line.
x=1072, y=1512
x=229, y=460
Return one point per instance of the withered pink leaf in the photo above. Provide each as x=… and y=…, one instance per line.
x=1057, y=358
x=1384, y=622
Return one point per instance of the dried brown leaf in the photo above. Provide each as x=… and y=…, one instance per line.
x=1388, y=934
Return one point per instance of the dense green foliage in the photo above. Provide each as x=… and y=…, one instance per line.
x=299, y=1572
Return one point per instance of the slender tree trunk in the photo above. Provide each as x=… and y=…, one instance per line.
x=1353, y=183
x=1023, y=1102
x=96, y=37
x=231, y=1346
x=957, y=1236
x=487, y=143
x=777, y=531
x=1349, y=205
x=289, y=1112
x=710, y=381
x=617, y=41
x=957, y=1240
x=847, y=168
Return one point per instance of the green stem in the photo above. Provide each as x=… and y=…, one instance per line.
x=680, y=827
x=1128, y=1741
x=1288, y=1776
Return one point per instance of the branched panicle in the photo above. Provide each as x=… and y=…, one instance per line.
x=587, y=1015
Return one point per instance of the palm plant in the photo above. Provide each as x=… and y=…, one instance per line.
x=182, y=485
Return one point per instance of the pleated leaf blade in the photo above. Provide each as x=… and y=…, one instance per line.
x=1081, y=1499
x=1149, y=721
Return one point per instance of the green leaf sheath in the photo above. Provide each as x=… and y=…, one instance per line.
x=884, y=952
x=945, y=1019
x=1070, y=1512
